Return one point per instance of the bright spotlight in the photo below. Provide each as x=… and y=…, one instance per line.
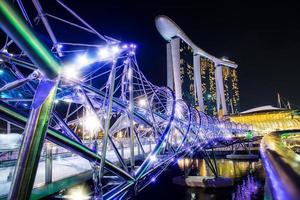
x=59, y=46
x=115, y=50
x=153, y=158
x=70, y=72
x=91, y=122
x=77, y=193
x=108, y=53
x=82, y=60
x=142, y=102
x=104, y=53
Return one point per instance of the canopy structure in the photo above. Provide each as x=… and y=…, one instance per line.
x=267, y=119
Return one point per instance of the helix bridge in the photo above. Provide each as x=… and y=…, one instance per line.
x=92, y=99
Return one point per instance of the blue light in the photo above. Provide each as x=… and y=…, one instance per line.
x=153, y=179
x=1, y=71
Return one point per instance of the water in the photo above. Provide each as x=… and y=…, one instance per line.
x=248, y=182
x=248, y=179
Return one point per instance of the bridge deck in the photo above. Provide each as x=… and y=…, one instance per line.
x=62, y=167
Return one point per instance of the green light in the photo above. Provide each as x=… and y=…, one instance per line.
x=17, y=29
x=249, y=135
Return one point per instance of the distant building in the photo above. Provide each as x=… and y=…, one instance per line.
x=208, y=83
x=266, y=119
x=231, y=90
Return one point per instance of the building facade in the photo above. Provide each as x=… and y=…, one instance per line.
x=208, y=83
x=231, y=90
x=208, y=86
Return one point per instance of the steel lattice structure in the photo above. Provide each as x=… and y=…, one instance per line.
x=64, y=90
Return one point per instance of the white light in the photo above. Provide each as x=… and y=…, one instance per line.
x=91, y=122
x=104, y=53
x=129, y=73
x=70, y=72
x=153, y=158
x=82, y=60
x=77, y=194
x=142, y=102
x=59, y=46
x=115, y=50
x=108, y=53
x=56, y=101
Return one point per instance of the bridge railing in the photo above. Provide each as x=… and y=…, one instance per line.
x=282, y=166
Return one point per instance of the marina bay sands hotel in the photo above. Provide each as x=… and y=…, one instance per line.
x=202, y=80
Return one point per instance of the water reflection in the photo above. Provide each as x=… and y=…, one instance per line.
x=226, y=168
x=248, y=179
x=248, y=189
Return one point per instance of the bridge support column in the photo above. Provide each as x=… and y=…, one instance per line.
x=33, y=140
x=48, y=163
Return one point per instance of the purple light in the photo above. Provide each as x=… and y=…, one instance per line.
x=153, y=179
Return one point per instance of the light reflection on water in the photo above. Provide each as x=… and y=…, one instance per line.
x=248, y=182
x=248, y=179
x=226, y=168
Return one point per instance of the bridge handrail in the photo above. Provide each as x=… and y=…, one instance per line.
x=282, y=166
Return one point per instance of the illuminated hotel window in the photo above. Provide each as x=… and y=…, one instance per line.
x=187, y=73
x=207, y=71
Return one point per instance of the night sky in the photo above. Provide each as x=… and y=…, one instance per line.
x=262, y=38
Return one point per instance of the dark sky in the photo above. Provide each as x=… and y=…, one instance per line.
x=262, y=38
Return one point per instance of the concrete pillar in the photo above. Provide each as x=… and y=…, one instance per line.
x=175, y=51
x=170, y=73
x=198, y=83
x=220, y=87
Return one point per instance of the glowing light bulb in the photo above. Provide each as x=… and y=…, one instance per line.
x=70, y=72
x=91, y=122
x=115, y=50
x=142, y=102
x=82, y=60
x=153, y=158
x=104, y=53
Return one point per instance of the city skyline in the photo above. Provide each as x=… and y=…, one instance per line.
x=260, y=37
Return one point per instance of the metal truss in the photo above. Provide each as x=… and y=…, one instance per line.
x=93, y=100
